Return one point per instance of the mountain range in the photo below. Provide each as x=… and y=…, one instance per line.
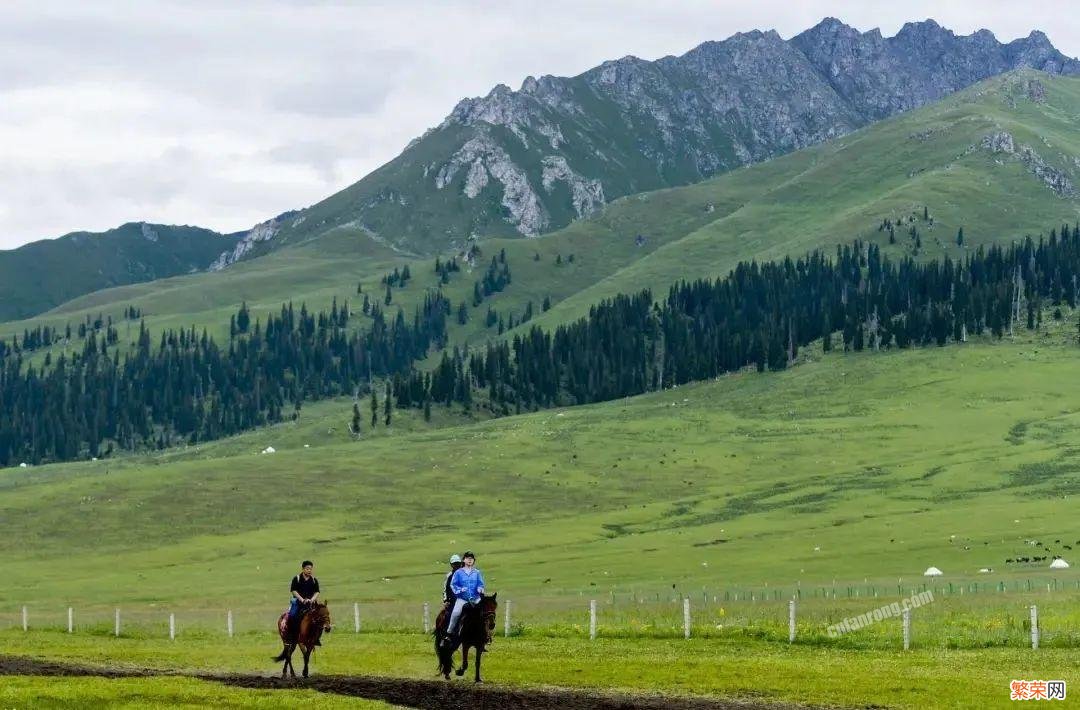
x=525, y=162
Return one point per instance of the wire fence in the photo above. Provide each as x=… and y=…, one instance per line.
x=870, y=616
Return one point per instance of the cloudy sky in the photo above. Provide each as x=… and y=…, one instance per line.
x=222, y=114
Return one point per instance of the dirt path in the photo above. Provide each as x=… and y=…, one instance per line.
x=414, y=693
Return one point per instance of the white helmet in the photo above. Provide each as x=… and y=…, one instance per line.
x=455, y=559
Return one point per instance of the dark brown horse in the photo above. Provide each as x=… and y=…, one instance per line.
x=476, y=629
x=312, y=626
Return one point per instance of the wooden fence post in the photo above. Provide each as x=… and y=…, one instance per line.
x=356, y=616
x=25, y=619
x=791, y=621
x=686, y=617
x=172, y=627
x=592, y=620
x=116, y=625
x=427, y=618
x=907, y=629
x=506, y=620
x=71, y=620
x=228, y=623
x=1034, y=627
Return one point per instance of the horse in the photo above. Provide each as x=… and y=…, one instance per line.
x=476, y=629
x=312, y=626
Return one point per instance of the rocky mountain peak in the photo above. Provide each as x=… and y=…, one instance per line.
x=558, y=148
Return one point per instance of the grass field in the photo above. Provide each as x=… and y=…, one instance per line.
x=878, y=460
x=746, y=669
x=846, y=475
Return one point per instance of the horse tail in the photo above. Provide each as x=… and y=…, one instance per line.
x=283, y=655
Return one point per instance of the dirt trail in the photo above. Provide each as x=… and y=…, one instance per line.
x=413, y=693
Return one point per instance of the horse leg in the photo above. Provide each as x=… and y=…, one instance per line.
x=288, y=661
x=306, y=650
x=464, y=660
x=285, y=665
x=479, y=653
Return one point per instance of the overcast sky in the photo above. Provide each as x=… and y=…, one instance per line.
x=223, y=114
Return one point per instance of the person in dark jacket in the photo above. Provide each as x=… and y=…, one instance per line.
x=448, y=593
x=303, y=591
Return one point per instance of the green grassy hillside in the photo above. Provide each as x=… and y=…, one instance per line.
x=932, y=159
x=847, y=467
x=44, y=274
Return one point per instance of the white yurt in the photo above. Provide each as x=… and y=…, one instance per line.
x=932, y=572
x=269, y=450
x=1059, y=564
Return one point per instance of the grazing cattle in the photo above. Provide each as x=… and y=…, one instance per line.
x=1009, y=561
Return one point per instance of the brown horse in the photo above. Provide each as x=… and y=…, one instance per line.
x=476, y=629
x=312, y=626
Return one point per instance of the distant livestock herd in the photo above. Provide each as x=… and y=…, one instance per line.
x=1042, y=558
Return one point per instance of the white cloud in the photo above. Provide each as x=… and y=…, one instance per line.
x=223, y=114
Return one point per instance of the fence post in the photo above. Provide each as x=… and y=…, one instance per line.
x=506, y=620
x=356, y=616
x=427, y=617
x=791, y=622
x=116, y=626
x=71, y=620
x=592, y=619
x=25, y=619
x=686, y=617
x=907, y=629
x=172, y=627
x=228, y=623
x=1034, y=627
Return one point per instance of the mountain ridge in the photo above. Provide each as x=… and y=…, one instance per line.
x=38, y=276
x=524, y=162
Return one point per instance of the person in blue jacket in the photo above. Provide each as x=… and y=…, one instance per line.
x=467, y=584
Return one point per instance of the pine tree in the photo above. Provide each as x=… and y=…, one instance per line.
x=374, y=409
x=960, y=237
x=243, y=318
x=389, y=295
x=387, y=406
x=356, y=419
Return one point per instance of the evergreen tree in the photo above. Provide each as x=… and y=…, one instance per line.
x=243, y=318
x=387, y=406
x=374, y=409
x=355, y=428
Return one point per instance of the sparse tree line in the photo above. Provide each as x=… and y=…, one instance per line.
x=45, y=336
x=759, y=315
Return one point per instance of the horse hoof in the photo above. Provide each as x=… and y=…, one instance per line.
x=459, y=673
x=478, y=681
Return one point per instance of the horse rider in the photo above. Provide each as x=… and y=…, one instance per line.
x=467, y=585
x=448, y=593
x=303, y=592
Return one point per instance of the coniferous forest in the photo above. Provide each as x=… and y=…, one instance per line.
x=187, y=387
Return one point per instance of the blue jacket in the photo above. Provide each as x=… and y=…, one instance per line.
x=466, y=585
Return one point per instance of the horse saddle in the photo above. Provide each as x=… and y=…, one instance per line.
x=290, y=629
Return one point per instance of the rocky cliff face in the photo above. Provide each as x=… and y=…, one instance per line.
x=526, y=161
